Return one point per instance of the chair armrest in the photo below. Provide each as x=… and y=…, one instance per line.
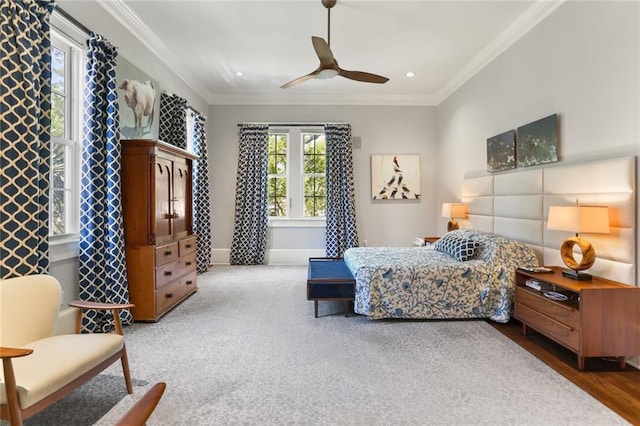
x=14, y=352
x=141, y=410
x=85, y=304
x=10, y=386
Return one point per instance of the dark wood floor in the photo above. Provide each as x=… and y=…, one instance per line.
x=617, y=389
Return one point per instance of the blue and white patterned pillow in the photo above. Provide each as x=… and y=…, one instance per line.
x=461, y=248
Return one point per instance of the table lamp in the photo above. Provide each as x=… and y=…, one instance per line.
x=578, y=219
x=453, y=211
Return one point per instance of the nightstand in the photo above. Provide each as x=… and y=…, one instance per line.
x=599, y=318
x=430, y=240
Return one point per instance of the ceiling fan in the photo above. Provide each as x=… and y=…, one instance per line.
x=328, y=65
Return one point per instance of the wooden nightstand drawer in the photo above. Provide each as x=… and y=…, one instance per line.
x=555, y=330
x=559, y=312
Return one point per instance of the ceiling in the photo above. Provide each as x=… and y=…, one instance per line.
x=443, y=42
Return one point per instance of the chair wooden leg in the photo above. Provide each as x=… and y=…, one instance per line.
x=125, y=370
x=13, y=403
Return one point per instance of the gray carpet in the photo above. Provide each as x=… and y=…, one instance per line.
x=246, y=349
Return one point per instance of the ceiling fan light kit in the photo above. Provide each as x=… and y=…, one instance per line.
x=328, y=65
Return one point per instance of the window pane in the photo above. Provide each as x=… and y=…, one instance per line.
x=57, y=115
x=58, y=166
x=58, y=216
x=58, y=62
x=277, y=190
x=314, y=196
x=314, y=153
x=277, y=164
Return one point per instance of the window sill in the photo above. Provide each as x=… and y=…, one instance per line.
x=64, y=247
x=297, y=223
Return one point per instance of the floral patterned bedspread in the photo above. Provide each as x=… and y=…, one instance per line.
x=421, y=282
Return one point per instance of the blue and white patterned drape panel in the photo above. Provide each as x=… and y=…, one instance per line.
x=103, y=273
x=202, y=209
x=249, y=244
x=25, y=105
x=173, y=120
x=341, y=231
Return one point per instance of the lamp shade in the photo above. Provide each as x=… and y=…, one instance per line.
x=452, y=210
x=579, y=219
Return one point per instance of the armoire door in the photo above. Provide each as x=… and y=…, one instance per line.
x=163, y=212
x=181, y=207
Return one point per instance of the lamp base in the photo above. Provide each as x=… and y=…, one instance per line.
x=576, y=275
x=452, y=225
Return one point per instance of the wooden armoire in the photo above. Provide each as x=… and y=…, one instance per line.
x=158, y=226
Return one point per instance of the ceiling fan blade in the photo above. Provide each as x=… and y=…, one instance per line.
x=300, y=79
x=362, y=76
x=323, y=51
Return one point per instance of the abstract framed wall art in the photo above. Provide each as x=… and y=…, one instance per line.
x=538, y=142
x=501, y=152
x=395, y=177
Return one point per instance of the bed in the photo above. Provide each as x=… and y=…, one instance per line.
x=465, y=274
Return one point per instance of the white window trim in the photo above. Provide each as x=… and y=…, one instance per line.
x=65, y=246
x=295, y=218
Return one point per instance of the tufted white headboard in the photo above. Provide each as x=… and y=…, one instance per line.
x=516, y=204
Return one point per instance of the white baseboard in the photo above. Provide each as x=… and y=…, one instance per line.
x=274, y=256
x=66, y=323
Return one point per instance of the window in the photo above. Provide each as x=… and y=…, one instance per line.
x=66, y=115
x=313, y=174
x=296, y=173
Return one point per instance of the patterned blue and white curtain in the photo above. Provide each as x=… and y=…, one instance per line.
x=103, y=273
x=201, y=207
x=249, y=243
x=173, y=120
x=341, y=231
x=25, y=105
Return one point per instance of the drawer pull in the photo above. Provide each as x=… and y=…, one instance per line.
x=189, y=245
x=175, y=216
x=187, y=263
x=168, y=253
x=169, y=295
x=189, y=282
x=168, y=273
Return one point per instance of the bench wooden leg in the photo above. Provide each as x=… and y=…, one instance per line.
x=315, y=306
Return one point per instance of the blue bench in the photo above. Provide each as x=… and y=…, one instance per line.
x=329, y=278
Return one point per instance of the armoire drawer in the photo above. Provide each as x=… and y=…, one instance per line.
x=167, y=273
x=188, y=263
x=188, y=245
x=174, y=292
x=167, y=253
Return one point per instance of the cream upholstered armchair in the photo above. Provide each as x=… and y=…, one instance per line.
x=39, y=367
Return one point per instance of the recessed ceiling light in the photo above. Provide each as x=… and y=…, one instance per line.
x=239, y=73
x=410, y=74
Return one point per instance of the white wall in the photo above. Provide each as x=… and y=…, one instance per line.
x=383, y=130
x=582, y=62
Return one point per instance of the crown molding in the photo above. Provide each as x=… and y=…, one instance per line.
x=518, y=28
x=123, y=14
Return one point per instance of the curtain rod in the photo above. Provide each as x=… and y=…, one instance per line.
x=73, y=20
